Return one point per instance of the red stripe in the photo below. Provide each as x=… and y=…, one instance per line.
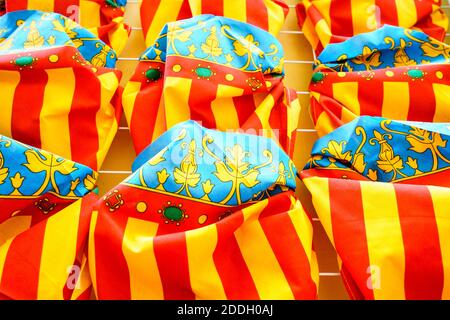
x=424, y=272
x=16, y=5
x=21, y=269
x=236, y=279
x=245, y=108
x=65, y=7
x=113, y=279
x=292, y=258
x=278, y=118
x=349, y=230
x=82, y=118
x=28, y=99
x=388, y=12
x=148, y=11
x=213, y=7
x=171, y=256
x=341, y=18
x=258, y=17
x=422, y=101
x=202, y=93
x=185, y=11
x=370, y=104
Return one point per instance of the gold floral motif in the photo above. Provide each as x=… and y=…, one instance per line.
x=186, y=174
x=34, y=38
x=431, y=47
x=235, y=169
x=175, y=32
x=3, y=171
x=335, y=149
x=162, y=178
x=369, y=58
x=16, y=182
x=211, y=46
x=42, y=161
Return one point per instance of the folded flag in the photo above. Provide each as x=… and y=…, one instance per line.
x=226, y=74
x=205, y=215
x=104, y=18
x=393, y=72
x=265, y=14
x=58, y=86
x=381, y=191
x=332, y=21
x=45, y=211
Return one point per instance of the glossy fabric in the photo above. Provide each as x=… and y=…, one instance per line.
x=266, y=14
x=223, y=205
x=392, y=72
x=45, y=210
x=332, y=21
x=58, y=86
x=204, y=68
x=104, y=18
x=381, y=191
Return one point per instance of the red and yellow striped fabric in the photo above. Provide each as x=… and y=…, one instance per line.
x=340, y=97
x=389, y=246
x=241, y=256
x=101, y=17
x=43, y=256
x=60, y=103
x=266, y=14
x=331, y=21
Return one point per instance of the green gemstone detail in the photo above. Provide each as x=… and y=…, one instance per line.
x=173, y=213
x=24, y=61
x=415, y=74
x=203, y=72
x=153, y=74
x=318, y=76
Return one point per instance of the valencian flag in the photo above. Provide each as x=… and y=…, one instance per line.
x=332, y=21
x=45, y=212
x=393, y=72
x=57, y=86
x=226, y=74
x=381, y=190
x=265, y=14
x=104, y=18
x=205, y=215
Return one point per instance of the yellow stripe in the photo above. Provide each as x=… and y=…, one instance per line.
x=363, y=16
x=54, y=116
x=319, y=189
x=205, y=280
x=43, y=5
x=8, y=231
x=137, y=247
x=91, y=250
x=384, y=240
x=160, y=123
x=294, y=109
x=224, y=105
x=118, y=37
x=406, y=12
x=262, y=263
x=130, y=93
x=304, y=230
x=347, y=94
x=89, y=14
x=324, y=8
x=235, y=9
x=58, y=251
x=442, y=94
x=441, y=203
x=275, y=15
x=9, y=81
x=439, y=18
x=395, y=100
x=84, y=281
x=324, y=32
x=105, y=118
x=264, y=105
x=324, y=125
x=310, y=33
x=167, y=11
x=176, y=100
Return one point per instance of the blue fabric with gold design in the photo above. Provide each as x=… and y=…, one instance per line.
x=236, y=39
x=238, y=167
x=30, y=29
x=28, y=171
x=385, y=150
x=387, y=47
